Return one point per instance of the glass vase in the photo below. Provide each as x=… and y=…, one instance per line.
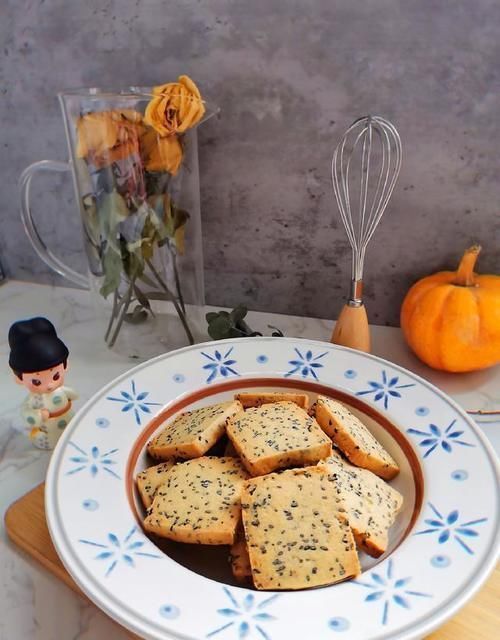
x=139, y=201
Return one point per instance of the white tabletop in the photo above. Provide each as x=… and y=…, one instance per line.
x=32, y=603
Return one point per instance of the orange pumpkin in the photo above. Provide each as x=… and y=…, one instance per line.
x=451, y=319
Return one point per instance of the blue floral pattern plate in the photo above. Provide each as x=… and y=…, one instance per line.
x=442, y=548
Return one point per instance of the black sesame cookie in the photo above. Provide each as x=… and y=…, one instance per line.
x=239, y=558
x=230, y=450
x=150, y=479
x=296, y=537
x=258, y=398
x=199, y=502
x=192, y=433
x=371, y=505
x=276, y=436
x=351, y=436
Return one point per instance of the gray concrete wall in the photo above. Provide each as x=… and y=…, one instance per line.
x=289, y=77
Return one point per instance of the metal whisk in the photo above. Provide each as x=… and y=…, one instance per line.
x=379, y=145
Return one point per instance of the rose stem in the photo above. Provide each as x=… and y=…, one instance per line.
x=174, y=300
x=178, y=282
x=125, y=303
x=112, y=316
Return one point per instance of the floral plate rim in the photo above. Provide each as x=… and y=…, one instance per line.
x=415, y=628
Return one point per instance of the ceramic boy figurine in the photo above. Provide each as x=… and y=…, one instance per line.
x=39, y=359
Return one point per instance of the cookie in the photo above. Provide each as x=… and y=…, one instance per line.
x=239, y=558
x=199, y=502
x=257, y=399
x=230, y=450
x=295, y=535
x=150, y=479
x=355, y=441
x=191, y=434
x=276, y=436
x=371, y=505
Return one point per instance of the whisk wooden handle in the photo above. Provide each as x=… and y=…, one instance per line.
x=351, y=328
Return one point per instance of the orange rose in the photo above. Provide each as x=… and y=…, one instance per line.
x=104, y=137
x=175, y=107
x=161, y=154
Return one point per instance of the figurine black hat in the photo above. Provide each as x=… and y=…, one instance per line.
x=34, y=346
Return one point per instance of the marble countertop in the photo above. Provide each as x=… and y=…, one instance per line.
x=32, y=603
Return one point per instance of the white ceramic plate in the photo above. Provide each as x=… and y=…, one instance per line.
x=442, y=547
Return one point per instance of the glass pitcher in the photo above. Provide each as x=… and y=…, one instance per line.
x=139, y=201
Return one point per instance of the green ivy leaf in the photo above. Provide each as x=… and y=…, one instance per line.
x=232, y=325
x=220, y=328
x=112, y=267
x=238, y=313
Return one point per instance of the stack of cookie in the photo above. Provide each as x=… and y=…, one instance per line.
x=296, y=492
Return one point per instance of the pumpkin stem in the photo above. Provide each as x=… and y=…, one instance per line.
x=465, y=272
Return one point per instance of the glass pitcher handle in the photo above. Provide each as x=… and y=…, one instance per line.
x=29, y=224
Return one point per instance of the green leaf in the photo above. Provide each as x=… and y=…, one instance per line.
x=112, y=210
x=231, y=325
x=175, y=223
x=154, y=231
x=180, y=219
x=238, y=313
x=112, y=267
x=133, y=262
x=153, y=218
x=168, y=220
x=220, y=328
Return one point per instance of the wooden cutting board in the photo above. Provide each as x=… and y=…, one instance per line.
x=26, y=527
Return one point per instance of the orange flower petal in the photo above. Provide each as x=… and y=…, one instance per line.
x=100, y=131
x=161, y=153
x=175, y=107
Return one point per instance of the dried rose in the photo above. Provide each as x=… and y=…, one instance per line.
x=161, y=154
x=103, y=137
x=175, y=107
